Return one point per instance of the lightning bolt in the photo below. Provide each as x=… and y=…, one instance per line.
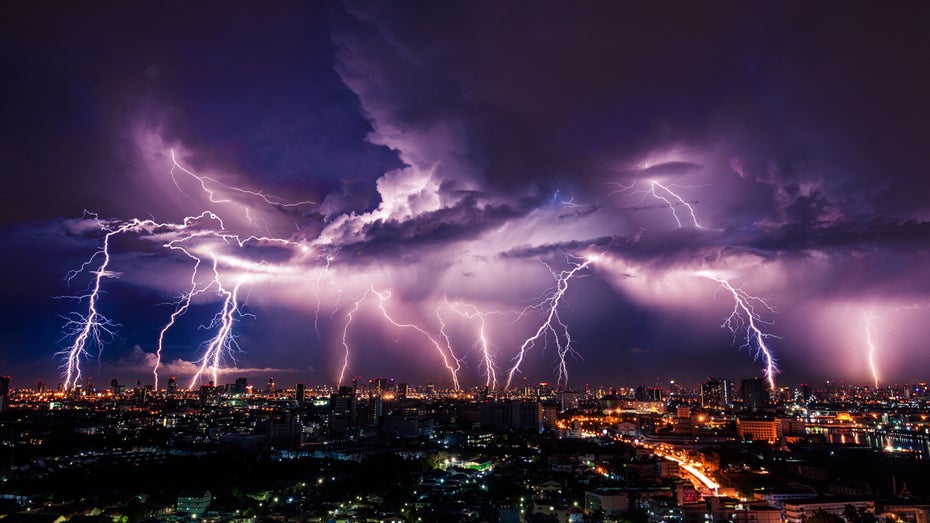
x=89, y=329
x=667, y=196
x=872, y=348
x=450, y=361
x=345, y=337
x=324, y=271
x=472, y=312
x=671, y=205
x=223, y=343
x=745, y=319
x=558, y=200
x=210, y=186
x=219, y=269
x=181, y=306
x=552, y=325
x=192, y=237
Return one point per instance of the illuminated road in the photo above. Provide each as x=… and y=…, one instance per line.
x=690, y=469
x=709, y=483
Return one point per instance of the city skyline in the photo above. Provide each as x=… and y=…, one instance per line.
x=753, y=392
x=467, y=194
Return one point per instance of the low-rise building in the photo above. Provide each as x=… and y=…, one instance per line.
x=612, y=501
x=194, y=502
x=800, y=510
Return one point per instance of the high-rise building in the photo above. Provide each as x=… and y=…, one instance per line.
x=642, y=393
x=527, y=414
x=655, y=394
x=716, y=393
x=209, y=395
x=343, y=402
x=5, y=386
x=241, y=386
x=4, y=392
x=755, y=393
x=568, y=400
x=342, y=417
x=805, y=391
x=375, y=409
x=299, y=393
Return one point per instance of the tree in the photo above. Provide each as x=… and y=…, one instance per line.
x=860, y=515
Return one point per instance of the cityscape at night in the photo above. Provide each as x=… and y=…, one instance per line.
x=652, y=262
x=379, y=450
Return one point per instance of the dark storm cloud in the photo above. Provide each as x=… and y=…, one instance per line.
x=562, y=248
x=440, y=229
x=911, y=236
x=534, y=101
x=674, y=168
x=351, y=196
x=250, y=89
x=795, y=241
x=538, y=102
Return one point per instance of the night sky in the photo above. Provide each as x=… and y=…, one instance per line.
x=422, y=182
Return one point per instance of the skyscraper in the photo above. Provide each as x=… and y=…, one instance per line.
x=375, y=409
x=716, y=393
x=755, y=393
x=4, y=392
x=241, y=386
x=342, y=416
